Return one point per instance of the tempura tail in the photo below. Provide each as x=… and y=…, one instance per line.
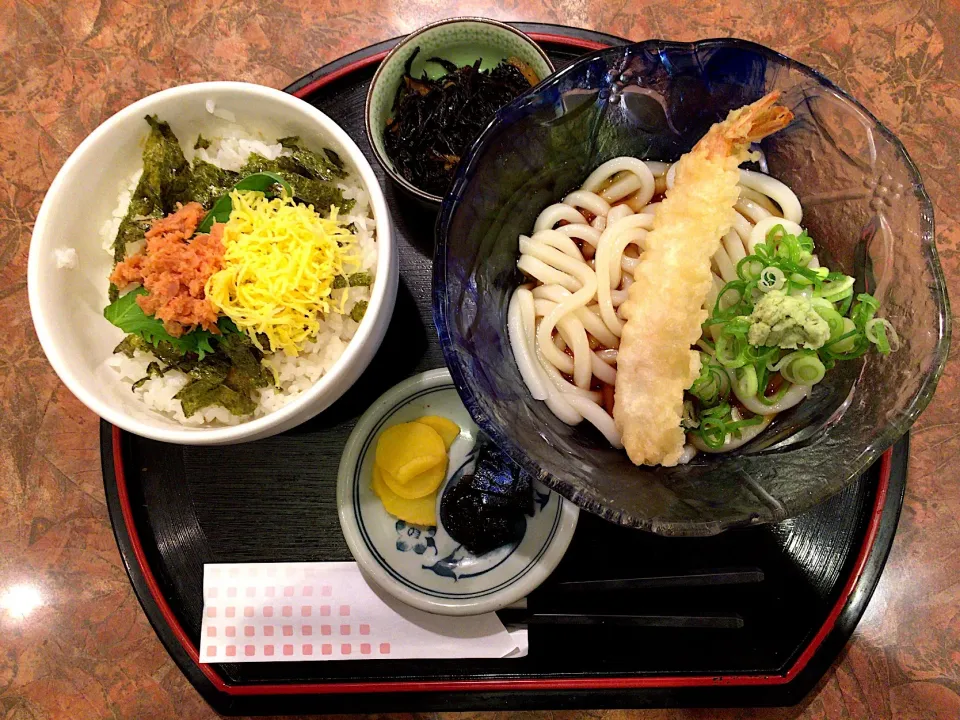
x=664, y=310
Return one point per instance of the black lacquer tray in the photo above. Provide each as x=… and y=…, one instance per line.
x=175, y=508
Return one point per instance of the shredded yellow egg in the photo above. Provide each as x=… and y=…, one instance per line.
x=279, y=264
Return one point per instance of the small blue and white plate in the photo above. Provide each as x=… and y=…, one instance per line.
x=425, y=567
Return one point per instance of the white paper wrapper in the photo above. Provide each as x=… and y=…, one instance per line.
x=267, y=612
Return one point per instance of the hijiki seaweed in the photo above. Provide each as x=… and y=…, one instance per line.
x=435, y=120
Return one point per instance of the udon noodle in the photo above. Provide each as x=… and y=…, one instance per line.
x=565, y=325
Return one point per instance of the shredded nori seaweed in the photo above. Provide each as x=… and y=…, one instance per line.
x=227, y=378
x=164, y=183
x=169, y=179
x=247, y=373
x=308, y=190
x=166, y=172
x=435, y=121
x=308, y=163
x=203, y=389
x=170, y=355
x=153, y=370
x=208, y=182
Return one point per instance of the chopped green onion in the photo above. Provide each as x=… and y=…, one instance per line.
x=864, y=310
x=833, y=318
x=713, y=384
x=729, y=362
x=803, y=367
x=732, y=346
x=731, y=302
x=771, y=278
x=713, y=432
x=746, y=381
x=734, y=428
x=750, y=268
x=717, y=423
x=720, y=411
x=844, y=307
x=881, y=333
x=836, y=289
x=847, y=341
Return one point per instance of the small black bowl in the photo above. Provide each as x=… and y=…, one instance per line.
x=461, y=40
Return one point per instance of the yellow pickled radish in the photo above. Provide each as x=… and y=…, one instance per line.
x=447, y=429
x=421, y=511
x=419, y=486
x=408, y=449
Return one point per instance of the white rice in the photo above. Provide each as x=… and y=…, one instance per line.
x=212, y=108
x=295, y=375
x=65, y=258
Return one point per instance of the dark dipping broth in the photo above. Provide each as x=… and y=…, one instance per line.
x=435, y=120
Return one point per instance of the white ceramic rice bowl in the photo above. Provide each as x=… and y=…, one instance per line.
x=67, y=304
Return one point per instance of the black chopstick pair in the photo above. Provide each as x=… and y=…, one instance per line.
x=738, y=576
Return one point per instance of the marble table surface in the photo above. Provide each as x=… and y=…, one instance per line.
x=85, y=650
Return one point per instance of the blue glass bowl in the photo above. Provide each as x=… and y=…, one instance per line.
x=863, y=202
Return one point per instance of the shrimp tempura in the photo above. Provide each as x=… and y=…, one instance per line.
x=664, y=309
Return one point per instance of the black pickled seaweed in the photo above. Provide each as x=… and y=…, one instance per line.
x=496, y=475
x=208, y=182
x=435, y=120
x=486, y=509
x=473, y=524
x=308, y=190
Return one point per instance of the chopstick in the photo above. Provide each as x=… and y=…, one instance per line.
x=733, y=576
x=703, y=620
x=520, y=615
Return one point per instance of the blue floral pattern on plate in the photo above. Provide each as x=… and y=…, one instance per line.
x=417, y=538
